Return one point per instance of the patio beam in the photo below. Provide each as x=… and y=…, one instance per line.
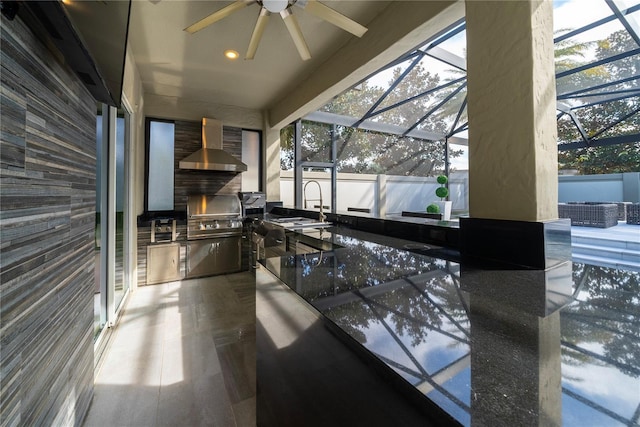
x=614, y=140
x=600, y=86
x=324, y=117
x=598, y=63
x=629, y=92
x=602, y=101
x=447, y=57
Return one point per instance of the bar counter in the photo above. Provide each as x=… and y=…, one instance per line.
x=484, y=346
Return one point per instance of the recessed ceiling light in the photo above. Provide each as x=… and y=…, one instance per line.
x=231, y=54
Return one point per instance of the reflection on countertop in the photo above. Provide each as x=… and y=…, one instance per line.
x=554, y=347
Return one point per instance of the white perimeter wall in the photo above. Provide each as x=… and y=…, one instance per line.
x=394, y=194
x=378, y=192
x=591, y=188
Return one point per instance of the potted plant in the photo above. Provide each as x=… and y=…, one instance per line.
x=442, y=206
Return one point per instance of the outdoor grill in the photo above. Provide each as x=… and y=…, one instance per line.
x=253, y=211
x=214, y=235
x=253, y=204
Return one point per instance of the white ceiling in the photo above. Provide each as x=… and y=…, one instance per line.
x=174, y=63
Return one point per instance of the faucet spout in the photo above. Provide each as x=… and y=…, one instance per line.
x=322, y=216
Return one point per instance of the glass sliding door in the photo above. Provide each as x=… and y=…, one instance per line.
x=112, y=275
x=121, y=284
x=99, y=308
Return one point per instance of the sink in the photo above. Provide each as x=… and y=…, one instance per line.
x=290, y=219
x=302, y=235
x=299, y=222
x=310, y=224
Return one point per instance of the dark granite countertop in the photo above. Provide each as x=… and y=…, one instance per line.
x=424, y=230
x=414, y=218
x=503, y=347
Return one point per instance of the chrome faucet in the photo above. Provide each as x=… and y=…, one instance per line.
x=304, y=192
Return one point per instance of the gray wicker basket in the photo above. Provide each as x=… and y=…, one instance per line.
x=590, y=215
x=622, y=207
x=633, y=213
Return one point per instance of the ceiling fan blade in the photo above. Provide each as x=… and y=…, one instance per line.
x=261, y=23
x=218, y=15
x=294, y=29
x=339, y=20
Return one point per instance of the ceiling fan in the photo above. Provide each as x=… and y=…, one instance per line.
x=283, y=7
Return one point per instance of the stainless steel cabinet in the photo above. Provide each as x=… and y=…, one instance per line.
x=214, y=256
x=163, y=263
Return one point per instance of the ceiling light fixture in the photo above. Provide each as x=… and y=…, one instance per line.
x=231, y=54
x=275, y=6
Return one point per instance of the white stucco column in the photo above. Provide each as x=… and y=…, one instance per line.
x=511, y=104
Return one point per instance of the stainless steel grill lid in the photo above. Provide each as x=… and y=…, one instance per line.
x=213, y=216
x=218, y=206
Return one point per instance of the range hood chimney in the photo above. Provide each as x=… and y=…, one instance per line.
x=211, y=156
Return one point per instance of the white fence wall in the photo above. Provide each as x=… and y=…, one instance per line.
x=390, y=194
x=597, y=190
x=615, y=187
x=410, y=193
x=385, y=194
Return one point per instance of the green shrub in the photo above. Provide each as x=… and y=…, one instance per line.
x=442, y=192
x=433, y=208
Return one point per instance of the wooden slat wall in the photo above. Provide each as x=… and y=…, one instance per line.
x=187, y=182
x=47, y=206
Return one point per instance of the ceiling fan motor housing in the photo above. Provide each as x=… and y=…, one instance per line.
x=275, y=6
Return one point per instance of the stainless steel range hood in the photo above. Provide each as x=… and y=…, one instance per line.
x=211, y=156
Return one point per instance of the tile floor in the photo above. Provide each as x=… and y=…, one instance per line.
x=183, y=354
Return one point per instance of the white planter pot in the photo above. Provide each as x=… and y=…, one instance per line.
x=445, y=209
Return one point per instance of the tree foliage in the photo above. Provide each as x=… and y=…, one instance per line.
x=363, y=151
x=599, y=120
